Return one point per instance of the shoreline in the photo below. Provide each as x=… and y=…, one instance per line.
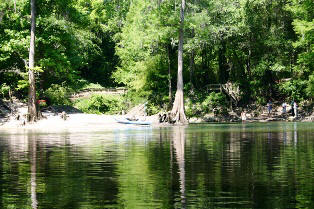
x=75, y=122
x=81, y=122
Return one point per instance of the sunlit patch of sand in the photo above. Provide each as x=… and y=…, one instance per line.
x=78, y=122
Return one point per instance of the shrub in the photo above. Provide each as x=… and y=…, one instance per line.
x=58, y=95
x=214, y=100
x=4, y=90
x=152, y=109
x=310, y=86
x=294, y=89
x=192, y=108
x=92, y=86
x=98, y=104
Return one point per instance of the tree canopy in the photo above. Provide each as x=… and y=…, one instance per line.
x=264, y=47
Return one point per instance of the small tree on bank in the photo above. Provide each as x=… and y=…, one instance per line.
x=177, y=112
x=32, y=111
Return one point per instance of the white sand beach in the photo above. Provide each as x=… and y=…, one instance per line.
x=76, y=122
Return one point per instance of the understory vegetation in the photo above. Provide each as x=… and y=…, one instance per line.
x=263, y=47
x=98, y=104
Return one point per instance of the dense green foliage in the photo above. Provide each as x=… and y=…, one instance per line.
x=98, y=104
x=4, y=90
x=58, y=95
x=202, y=105
x=264, y=46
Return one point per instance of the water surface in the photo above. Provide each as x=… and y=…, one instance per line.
x=262, y=165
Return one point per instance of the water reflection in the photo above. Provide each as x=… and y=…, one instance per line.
x=295, y=135
x=33, y=156
x=179, y=144
x=211, y=166
x=285, y=134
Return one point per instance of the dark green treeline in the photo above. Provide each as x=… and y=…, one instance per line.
x=264, y=47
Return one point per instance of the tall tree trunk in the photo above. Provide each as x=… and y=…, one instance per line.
x=32, y=112
x=192, y=63
x=169, y=77
x=222, y=62
x=14, y=2
x=177, y=112
x=248, y=63
x=192, y=68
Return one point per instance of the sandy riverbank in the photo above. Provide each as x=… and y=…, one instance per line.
x=76, y=122
x=81, y=122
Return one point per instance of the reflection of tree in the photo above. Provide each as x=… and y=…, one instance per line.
x=178, y=143
x=1, y=174
x=285, y=134
x=295, y=135
x=137, y=184
x=221, y=170
x=33, y=156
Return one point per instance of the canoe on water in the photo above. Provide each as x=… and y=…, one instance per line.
x=137, y=122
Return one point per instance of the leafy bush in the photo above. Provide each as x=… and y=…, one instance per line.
x=214, y=100
x=192, y=108
x=22, y=85
x=92, y=86
x=294, y=89
x=4, y=90
x=98, y=104
x=82, y=84
x=132, y=98
x=58, y=94
x=152, y=109
x=310, y=86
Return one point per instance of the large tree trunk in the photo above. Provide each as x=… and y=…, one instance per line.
x=169, y=78
x=192, y=69
x=32, y=112
x=177, y=112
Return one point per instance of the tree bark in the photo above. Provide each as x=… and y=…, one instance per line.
x=192, y=68
x=32, y=112
x=192, y=64
x=222, y=62
x=169, y=77
x=14, y=2
x=177, y=112
x=248, y=63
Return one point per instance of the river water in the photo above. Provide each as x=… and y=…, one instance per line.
x=252, y=165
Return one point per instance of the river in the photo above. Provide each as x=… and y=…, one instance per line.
x=249, y=165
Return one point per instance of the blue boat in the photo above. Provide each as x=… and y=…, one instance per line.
x=135, y=122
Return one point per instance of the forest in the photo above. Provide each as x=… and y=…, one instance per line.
x=260, y=50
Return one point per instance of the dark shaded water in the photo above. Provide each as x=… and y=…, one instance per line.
x=269, y=165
